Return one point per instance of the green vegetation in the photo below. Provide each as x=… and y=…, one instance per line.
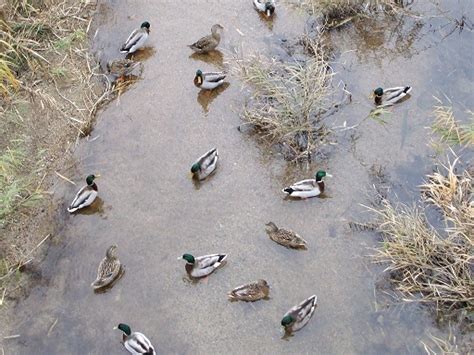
x=16, y=187
x=43, y=49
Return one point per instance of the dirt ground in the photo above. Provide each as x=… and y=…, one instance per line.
x=59, y=90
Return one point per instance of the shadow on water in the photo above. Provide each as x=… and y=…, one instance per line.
x=214, y=57
x=205, y=97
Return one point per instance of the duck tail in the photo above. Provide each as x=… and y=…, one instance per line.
x=222, y=258
x=407, y=89
x=288, y=190
x=72, y=209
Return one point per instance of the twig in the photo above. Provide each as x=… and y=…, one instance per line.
x=65, y=178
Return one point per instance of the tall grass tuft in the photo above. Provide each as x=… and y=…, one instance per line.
x=451, y=131
x=335, y=13
x=15, y=187
x=289, y=100
x=427, y=265
x=8, y=81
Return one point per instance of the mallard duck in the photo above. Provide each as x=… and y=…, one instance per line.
x=135, y=343
x=85, y=196
x=265, y=6
x=202, y=266
x=109, y=269
x=205, y=165
x=285, y=237
x=209, y=80
x=389, y=97
x=250, y=292
x=298, y=316
x=208, y=43
x=121, y=67
x=137, y=39
x=307, y=188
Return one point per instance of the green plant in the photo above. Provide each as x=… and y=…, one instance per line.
x=15, y=185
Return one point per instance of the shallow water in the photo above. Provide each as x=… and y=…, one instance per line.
x=146, y=143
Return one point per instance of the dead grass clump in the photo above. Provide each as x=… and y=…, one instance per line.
x=289, y=101
x=451, y=130
x=49, y=93
x=452, y=194
x=335, y=13
x=426, y=265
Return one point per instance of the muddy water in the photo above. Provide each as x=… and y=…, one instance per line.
x=145, y=143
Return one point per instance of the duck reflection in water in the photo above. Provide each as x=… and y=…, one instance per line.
x=214, y=57
x=205, y=97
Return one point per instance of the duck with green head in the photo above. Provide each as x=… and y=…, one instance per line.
x=309, y=187
x=298, y=316
x=136, y=343
x=389, y=97
x=86, y=195
x=209, y=80
x=202, y=266
x=137, y=39
x=205, y=165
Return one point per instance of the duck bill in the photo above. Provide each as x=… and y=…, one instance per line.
x=328, y=175
x=179, y=258
x=115, y=327
x=97, y=176
x=268, y=13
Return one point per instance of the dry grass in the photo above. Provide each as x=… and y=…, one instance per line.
x=51, y=93
x=451, y=131
x=35, y=39
x=335, y=13
x=442, y=346
x=426, y=265
x=289, y=100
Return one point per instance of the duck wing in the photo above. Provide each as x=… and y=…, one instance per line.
x=84, y=197
x=214, y=77
x=259, y=5
x=137, y=343
x=137, y=38
x=290, y=238
x=393, y=95
x=303, y=312
x=250, y=291
x=203, y=43
x=205, y=261
x=108, y=270
x=304, y=185
x=208, y=159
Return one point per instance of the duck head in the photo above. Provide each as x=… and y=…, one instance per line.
x=124, y=328
x=287, y=320
x=189, y=258
x=321, y=174
x=269, y=8
x=90, y=179
x=198, y=77
x=146, y=26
